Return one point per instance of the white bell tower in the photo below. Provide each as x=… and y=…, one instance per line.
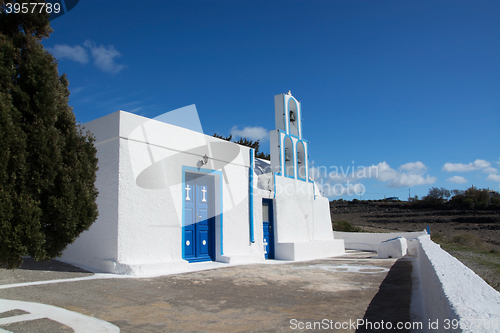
x=288, y=147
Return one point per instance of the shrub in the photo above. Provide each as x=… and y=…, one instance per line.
x=341, y=225
x=468, y=239
x=437, y=237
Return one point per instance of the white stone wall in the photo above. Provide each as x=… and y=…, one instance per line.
x=294, y=210
x=97, y=248
x=368, y=241
x=452, y=291
x=322, y=229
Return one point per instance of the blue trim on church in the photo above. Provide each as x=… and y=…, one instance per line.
x=221, y=215
x=293, y=157
x=304, y=159
x=250, y=195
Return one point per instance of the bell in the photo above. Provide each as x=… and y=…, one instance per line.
x=292, y=116
x=298, y=159
x=287, y=159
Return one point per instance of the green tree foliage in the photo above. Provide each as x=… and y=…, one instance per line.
x=47, y=165
x=437, y=195
x=472, y=198
x=413, y=200
x=227, y=138
x=249, y=143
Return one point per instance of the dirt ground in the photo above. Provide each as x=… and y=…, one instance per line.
x=400, y=216
x=482, y=257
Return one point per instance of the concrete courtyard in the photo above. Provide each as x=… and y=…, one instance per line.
x=314, y=296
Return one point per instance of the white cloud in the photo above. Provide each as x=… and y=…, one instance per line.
x=410, y=180
x=490, y=170
x=75, y=53
x=416, y=167
x=136, y=109
x=460, y=167
x=104, y=57
x=251, y=133
x=381, y=172
x=384, y=172
x=397, y=178
x=481, y=164
x=457, y=180
x=495, y=178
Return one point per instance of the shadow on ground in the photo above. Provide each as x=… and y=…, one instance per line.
x=51, y=265
x=392, y=302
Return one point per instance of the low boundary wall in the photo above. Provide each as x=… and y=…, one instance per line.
x=452, y=291
x=450, y=297
x=366, y=241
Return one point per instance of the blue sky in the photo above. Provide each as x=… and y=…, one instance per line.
x=409, y=87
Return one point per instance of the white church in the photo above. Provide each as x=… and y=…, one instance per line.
x=171, y=196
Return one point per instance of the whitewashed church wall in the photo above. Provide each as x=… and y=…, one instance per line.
x=151, y=190
x=104, y=128
x=279, y=106
x=274, y=151
x=96, y=248
x=236, y=217
x=140, y=201
x=322, y=229
x=150, y=218
x=294, y=210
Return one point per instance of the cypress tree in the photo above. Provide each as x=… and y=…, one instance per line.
x=47, y=164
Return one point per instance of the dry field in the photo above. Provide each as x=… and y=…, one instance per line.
x=471, y=236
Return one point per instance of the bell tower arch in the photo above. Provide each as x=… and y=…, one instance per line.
x=288, y=148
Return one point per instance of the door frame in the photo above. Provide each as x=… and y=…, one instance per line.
x=271, y=242
x=218, y=209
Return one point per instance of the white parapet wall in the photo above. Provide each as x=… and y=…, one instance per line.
x=450, y=297
x=367, y=241
x=453, y=294
x=299, y=251
x=393, y=248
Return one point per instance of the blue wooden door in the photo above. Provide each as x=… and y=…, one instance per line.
x=268, y=225
x=199, y=222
